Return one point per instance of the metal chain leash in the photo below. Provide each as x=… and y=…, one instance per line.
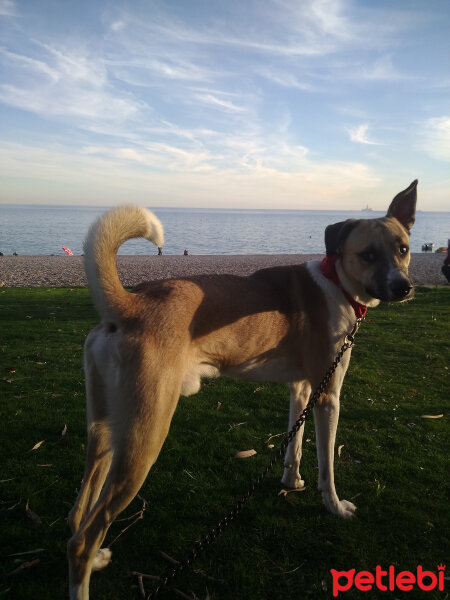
x=209, y=537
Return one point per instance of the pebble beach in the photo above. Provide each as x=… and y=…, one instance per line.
x=68, y=271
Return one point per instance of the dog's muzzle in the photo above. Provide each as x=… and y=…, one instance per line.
x=400, y=289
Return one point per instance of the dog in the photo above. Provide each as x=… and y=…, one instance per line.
x=282, y=324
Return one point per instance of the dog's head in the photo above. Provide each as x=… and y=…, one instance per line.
x=374, y=253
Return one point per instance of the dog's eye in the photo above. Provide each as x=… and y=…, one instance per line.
x=404, y=249
x=368, y=256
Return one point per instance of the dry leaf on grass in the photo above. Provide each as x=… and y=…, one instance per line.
x=274, y=436
x=64, y=431
x=38, y=445
x=235, y=425
x=431, y=416
x=28, y=552
x=245, y=453
x=340, y=450
x=25, y=565
x=286, y=492
x=33, y=516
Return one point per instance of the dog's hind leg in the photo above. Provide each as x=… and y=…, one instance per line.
x=98, y=460
x=139, y=428
x=326, y=417
x=98, y=452
x=300, y=392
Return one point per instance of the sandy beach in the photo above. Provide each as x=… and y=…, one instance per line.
x=68, y=271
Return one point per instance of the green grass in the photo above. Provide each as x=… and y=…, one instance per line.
x=393, y=464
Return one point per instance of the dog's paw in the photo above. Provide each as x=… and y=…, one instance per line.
x=292, y=481
x=102, y=559
x=347, y=509
x=341, y=508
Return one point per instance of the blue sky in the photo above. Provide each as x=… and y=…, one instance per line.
x=209, y=103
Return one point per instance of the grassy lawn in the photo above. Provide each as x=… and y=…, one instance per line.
x=393, y=464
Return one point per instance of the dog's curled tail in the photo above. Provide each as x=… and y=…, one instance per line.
x=105, y=237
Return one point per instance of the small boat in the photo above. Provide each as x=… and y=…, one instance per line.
x=67, y=250
x=367, y=209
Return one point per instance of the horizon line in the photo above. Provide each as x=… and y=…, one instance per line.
x=218, y=208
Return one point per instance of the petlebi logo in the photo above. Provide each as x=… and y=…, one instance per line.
x=388, y=580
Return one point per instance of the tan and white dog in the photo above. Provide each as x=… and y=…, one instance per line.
x=279, y=324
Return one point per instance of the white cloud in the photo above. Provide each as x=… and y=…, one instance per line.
x=359, y=136
x=164, y=55
x=279, y=28
x=64, y=83
x=219, y=103
x=76, y=65
x=244, y=92
x=328, y=15
x=182, y=178
x=19, y=61
x=154, y=156
x=144, y=71
x=86, y=105
x=7, y=8
x=117, y=25
x=436, y=137
x=283, y=78
x=382, y=69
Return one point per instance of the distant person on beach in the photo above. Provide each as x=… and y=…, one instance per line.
x=446, y=266
x=159, y=251
x=1, y=253
x=15, y=254
x=186, y=253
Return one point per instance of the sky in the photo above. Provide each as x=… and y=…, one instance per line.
x=283, y=104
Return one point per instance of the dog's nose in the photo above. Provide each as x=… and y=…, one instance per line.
x=400, y=288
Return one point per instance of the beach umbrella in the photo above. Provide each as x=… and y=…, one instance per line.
x=67, y=251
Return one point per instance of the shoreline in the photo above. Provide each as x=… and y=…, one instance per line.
x=68, y=271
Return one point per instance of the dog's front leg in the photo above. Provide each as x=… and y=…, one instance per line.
x=326, y=417
x=300, y=392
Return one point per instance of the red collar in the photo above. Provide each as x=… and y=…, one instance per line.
x=328, y=268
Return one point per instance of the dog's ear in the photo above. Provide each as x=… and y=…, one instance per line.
x=403, y=206
x=336, y=234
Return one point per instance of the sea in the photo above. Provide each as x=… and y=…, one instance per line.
x=44, y=230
